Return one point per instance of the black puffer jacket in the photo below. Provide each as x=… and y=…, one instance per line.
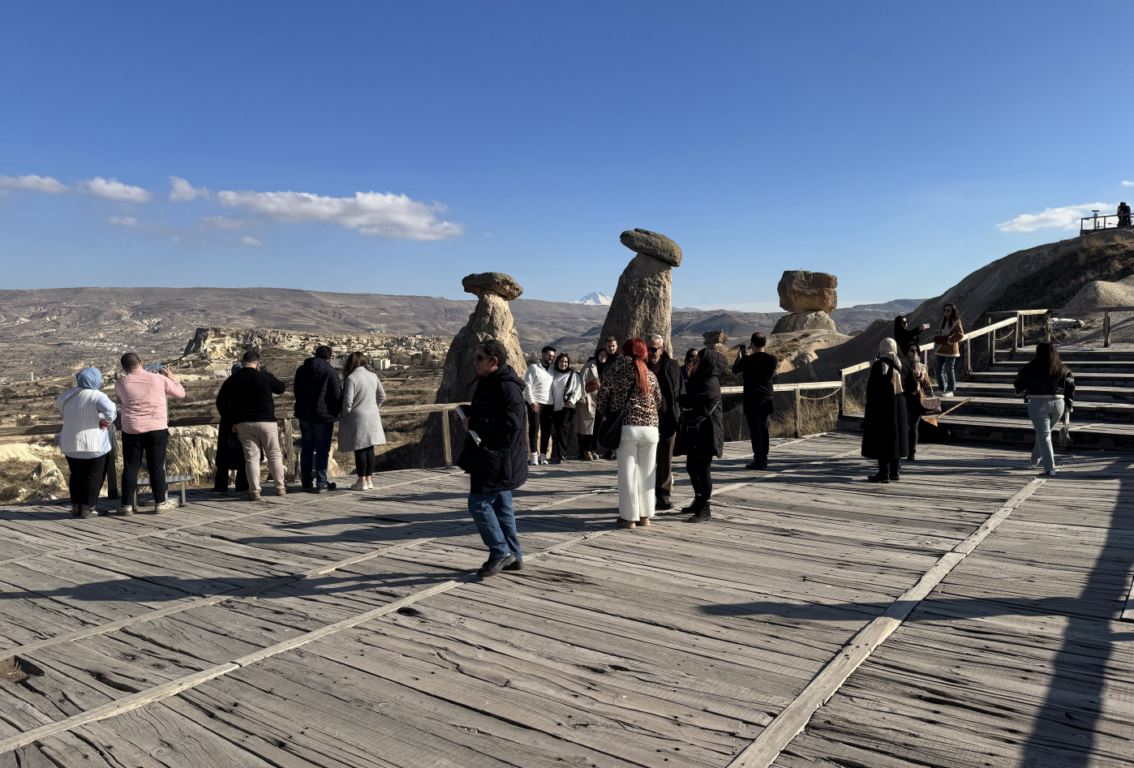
x=500, y=462
x=318, y=391
x=701, y=424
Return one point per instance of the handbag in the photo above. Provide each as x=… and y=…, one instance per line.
x=930, y=404
x=608, y=430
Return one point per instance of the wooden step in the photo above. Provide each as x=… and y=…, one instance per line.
x=1085, y=377
x=1019, y=431
x=1108, y=413
x=1083, y=394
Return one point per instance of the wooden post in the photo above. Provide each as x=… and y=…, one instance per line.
x=968, y=356
x=1016, y=336
x=1047, y=327
x=842, y=394
x=446, y=441
x=797, y=402
x=1106, y=328
x=991, y=345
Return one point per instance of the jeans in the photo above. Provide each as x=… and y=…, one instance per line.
x=153, y=445
x=637, y=472
x=1044, y=414
x=314, y=451
x=946, y=373
x=759, y=417
x=496, y=522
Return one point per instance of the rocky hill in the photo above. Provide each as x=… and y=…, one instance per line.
x=50, y=332
x=1055, y=276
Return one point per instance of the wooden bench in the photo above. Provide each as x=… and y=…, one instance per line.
x=182, y=481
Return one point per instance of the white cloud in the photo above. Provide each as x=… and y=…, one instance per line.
x=223, y=222
x=113, y=189
x=44, y=184
x=251, y=242
x=123, y=221
x=371, y=213
x=1126, y=183
x=181, y=191
x=1063, y=217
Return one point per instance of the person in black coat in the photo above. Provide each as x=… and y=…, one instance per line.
x=495, y=456
x=759, y=372
x=318, y=400
x=247, y=396
x=885, y=426
x=229, y=453
x=668, y=374
x=904, y=335
x=700, y=432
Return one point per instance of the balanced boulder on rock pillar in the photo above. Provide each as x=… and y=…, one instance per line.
x=643, y=301
x=808, y=297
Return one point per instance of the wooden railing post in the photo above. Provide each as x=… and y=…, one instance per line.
x=797, y=402
x=446, y=441
x=842, y=394
x=1106, y=328
x=968, y=356
x=991, y=345
x=288, y=441
x=1016, y=336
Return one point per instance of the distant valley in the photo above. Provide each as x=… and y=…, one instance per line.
x=51, y=331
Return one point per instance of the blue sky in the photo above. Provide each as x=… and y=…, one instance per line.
x=395, y=147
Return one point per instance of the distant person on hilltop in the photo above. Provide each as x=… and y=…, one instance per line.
x=537, y=394
x=759, y=372
x=361, y=426
x=248, y=396
x=145, y=427
x=318, y=400
x=1123, y=215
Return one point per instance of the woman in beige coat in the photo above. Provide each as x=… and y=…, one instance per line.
x=360, y=428
x=948, y=350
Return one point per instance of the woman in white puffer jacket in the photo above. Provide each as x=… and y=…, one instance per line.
x=85, y=440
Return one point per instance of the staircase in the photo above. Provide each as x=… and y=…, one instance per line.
x=1103, y=417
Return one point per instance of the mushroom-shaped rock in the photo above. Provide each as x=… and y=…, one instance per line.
x=652, y=244
x=803, y=291
x=497, y=283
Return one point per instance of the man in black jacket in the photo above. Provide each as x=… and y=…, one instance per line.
x=668, y=373
x=700, y=433
x=495, y=456
x=759, y=372
x=318, y=399
x=247, y=396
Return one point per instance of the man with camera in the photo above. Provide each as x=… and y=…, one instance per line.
x=142, y=398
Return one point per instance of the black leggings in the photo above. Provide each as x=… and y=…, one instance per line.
x=86, y=479
x=699, y=463
x=364, y=462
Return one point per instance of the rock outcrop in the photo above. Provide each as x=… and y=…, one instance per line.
x=643, y=301
x=808, y=297
x=491, y=319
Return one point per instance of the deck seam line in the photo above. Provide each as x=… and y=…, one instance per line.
x=793, y=718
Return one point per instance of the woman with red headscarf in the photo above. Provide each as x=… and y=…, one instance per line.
x=630, y=388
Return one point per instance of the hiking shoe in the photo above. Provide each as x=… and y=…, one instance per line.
x=493, y=566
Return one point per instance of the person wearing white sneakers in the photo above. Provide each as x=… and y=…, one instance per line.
x=948, y=350
x=541, y=411
x=360, y=425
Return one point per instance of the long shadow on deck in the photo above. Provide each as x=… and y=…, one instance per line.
x=1064, y=729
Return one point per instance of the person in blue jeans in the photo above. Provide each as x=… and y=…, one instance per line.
x=1048, y=386
x=318, y=400
x=495, y=456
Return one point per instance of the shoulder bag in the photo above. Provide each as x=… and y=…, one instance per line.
x=608, y=432
x=930, y=404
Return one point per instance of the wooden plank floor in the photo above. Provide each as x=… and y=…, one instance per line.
x=344, y=629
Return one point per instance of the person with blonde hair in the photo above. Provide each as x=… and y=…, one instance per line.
x=885, y=426
x=360, y=425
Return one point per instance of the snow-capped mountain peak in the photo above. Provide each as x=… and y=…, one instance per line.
x=594, y=299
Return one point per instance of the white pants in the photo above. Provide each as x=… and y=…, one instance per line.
x=637, y=472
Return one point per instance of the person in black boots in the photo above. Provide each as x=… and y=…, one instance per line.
x=230, y=455
x=885, y=426
x=668, y=374
x=700, y=431
x=495, y=456
x=318, y=400
x=759, y=372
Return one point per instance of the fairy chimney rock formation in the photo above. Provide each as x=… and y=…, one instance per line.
x=808, y=297
x=643, y=301
x=491, y=319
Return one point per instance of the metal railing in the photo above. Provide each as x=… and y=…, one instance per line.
x=1095, y=223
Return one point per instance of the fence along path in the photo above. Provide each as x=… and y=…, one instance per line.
x=342, y=629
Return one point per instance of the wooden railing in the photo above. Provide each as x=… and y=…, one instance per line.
x=1106, y=320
